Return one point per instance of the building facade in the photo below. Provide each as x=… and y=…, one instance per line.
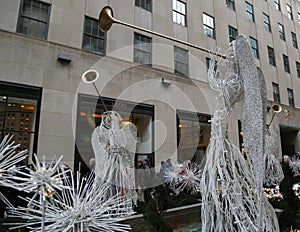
x=157, y=84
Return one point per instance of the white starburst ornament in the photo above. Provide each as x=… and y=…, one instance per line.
x=9, y=158
x=82, y=207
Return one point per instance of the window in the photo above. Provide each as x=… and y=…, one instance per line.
x=298, y=17
x=89, y=116
x=142, y=49
x=181, y=62
x=209, y=26
x=298, y=69
x=267, y=22
x=271, y=54
x=286, y=63
x=277, y=4
x=34, y=18
x=233, y=33
x=207, y=60
x=294, y=40
x=179, y=12
x=281, y=31
x=291, y=97
x=94, y=40
x=254, y=47
x=193, y=135
x=19, y=114
x=249, y=12
x=145, y=4
x=276, y=93
x=230, y=4
x=289, y=11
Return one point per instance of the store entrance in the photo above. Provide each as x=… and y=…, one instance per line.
x=288, y=138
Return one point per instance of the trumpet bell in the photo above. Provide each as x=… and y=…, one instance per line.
x=276, y=108
x=106, y=18
x=90, y=76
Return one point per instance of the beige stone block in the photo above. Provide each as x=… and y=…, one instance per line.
x=57, y=101
x=9, y=12
x=56, y=124
x=51, y=146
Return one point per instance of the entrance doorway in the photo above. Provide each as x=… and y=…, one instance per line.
x=288, y=137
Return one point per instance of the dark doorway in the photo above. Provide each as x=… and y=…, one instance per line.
x=288, y=137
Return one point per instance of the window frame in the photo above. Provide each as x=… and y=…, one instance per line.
x=146, y=41
x=231, y=35
x=286, y=63
x=291, y=97
x=194, y=118
x=144, y=5
x=176, y=12
x=276, y=92
x=271, y=55
x=294, y=40
x=230, y=4
x=289, y=12
x=277, y=5
x=254, y=47
x=183, y=52
x=29, y=93
x=298, y=68
x=267, y=24
x=250, y=13
x=21, y=16
x=97, y=37
x=281, y=31
x=207, y=27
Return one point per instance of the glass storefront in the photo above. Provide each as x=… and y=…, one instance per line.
x=89, y=115
x=19, y=110
x=193, y=135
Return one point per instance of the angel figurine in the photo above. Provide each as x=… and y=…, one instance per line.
x=114, y=145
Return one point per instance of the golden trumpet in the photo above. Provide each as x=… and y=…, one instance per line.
x=106, y=19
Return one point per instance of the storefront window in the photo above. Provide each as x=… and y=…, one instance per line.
x=19, y=106
x=193, y=134
x=89, y=116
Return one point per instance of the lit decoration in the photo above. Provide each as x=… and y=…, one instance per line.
x=294, y=163
x=81, y=207
x=231, y=185
x=184, y=177
x=114, y=145
x=273, y=193
x=9, y=159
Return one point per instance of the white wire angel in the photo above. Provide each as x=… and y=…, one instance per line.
x=228, y=184
x=114, y=145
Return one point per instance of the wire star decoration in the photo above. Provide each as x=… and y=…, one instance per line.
x=184, y=177
x=82, y=207
x=9, y=158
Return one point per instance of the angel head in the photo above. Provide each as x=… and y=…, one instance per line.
x=111, y=119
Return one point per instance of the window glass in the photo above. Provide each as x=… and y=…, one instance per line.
x=89, y=116
x=181, y=61
x=145, y=4
x=249, y=11
x=19, y=110
x=193, y=133
x=142, y=49
x=179, y=12
x=34, y=18
x=94, y=40
x=208, y=25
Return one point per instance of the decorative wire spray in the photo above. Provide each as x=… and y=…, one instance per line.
x=81, y=207
x=114, y=147
x=273, y=170
x=184, y=177
x=231, y=199
x=9, y=158
x=294, y=163
x=44, y=179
